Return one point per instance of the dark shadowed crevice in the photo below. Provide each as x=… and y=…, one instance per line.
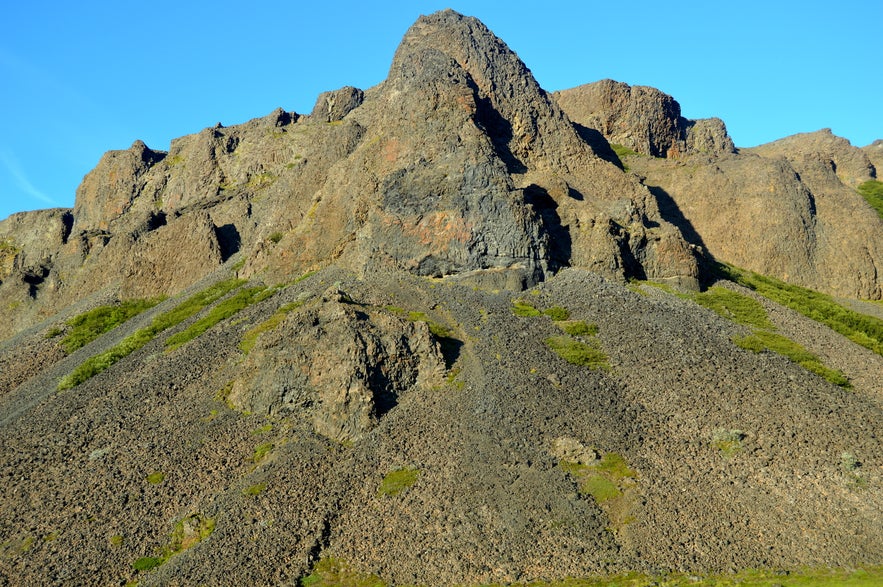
x=671, y=213
x=228, y=240
x=599, y=144
x=67, y=225
x=546, y=208
x=498, y=129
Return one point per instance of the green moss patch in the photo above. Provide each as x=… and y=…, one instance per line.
x=523, y=309
x=763, y=340
x=872, y=192
x=578, y=328
x=251, y=337
x=98, y=363
x=186, y=534
x=225, y=309
x=578, y=352
x=331, y=572
x=88, y=326
x=610, y=482
x=396, y=482
x=737, y=307
x=859, y=328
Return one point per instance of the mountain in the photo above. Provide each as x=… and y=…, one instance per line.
x=451, y=329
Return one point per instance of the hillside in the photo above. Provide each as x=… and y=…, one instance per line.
x=445, y=331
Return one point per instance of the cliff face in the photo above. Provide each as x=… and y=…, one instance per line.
x=788, y=209
x=459, y=162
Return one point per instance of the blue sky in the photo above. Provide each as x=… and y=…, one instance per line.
x=80, y=78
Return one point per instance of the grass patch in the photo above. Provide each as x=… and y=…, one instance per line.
x=275, y=237
x=227, y=308
x=523, y=309
x=622, y=151
x=261, y=451
x=578, y=328
x=763, y=340
x=395, y=482
x=872, y=192
x=330, y=572
x=251, y=337
x=859, y=328
x=90, y=325
x=254, y=490
x=186, y=534
x=871, y=577
x=147, y=563
x=610, y=482
x=578, y=352
x=729, y=442
x=735, y=306
x=98, y=363
x=557, y=313
x=156, y=477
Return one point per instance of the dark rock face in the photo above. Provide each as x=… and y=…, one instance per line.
x=643, y=119
x=333, y=106
x=345, y=366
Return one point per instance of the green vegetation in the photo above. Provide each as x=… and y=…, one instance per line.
x=437, y=329
x=254, y=490
x=578, y=352
x=557, y=313
x=523, y=309
x=763, y=340
x=251, y=337
x=622, y=151
x=263, y=429
x=116, y=540
x=578, y=328
x=729, y=442
x=147, y=563
x=872, y=192
x=156, y=477
x=191, y=306
x=90, y=325
x=227, y=308
x=610, y=482
x=859, y=328
x=330, y=572
x=395, y=482
x=871, y=577
x=604, y=480
x=735, y=306
x=187, y=533
x=584, y=353
x=275, y=237
x=261, y=451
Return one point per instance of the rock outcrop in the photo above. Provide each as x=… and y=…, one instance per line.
x=643, y=119
x=458, y=163
x=340, y=365
x=788, y=209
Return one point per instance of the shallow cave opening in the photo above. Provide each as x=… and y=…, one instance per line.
x=228, y=240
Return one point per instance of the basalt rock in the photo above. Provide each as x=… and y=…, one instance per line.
x=643, y=119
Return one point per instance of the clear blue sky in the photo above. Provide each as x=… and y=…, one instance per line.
x=80, y=78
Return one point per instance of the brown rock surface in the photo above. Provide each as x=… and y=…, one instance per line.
x=643, y=119
x=788, y=209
